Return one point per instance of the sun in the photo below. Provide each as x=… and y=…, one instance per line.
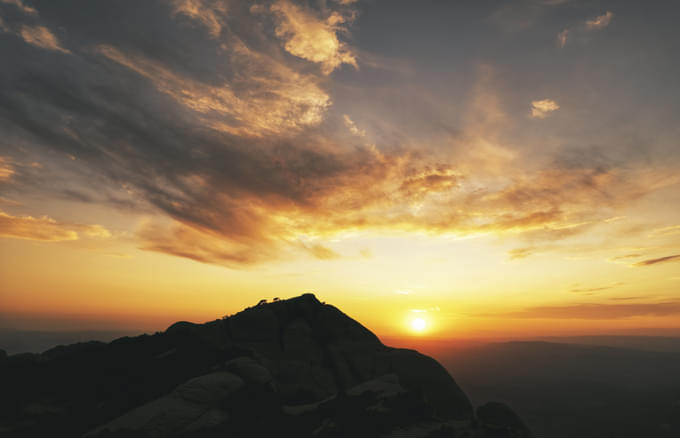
x=418, y=325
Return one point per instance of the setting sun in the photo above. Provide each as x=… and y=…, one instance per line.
x=418, y=325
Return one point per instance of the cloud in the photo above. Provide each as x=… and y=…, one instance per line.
x=225, y=141
x=46, y=229
x=6, y=169
x=321, y=252
x=540, y=109
x=597, y=311
x=562, y=37
x=273, y=100
x=42, y=37
x=207, y=12
x=312, y=38
x=593, y=289
x=352, y=127
x=650, y=262
x=19, y=4
x=599, y=22
x=665, y=231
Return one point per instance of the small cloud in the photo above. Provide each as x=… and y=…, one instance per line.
x=665, y=231
x=594, y=289
x=366, y=253
x=42, y=37
x=649, y=262
x=207, y=13
x=623, y=258
x=322, y=252
x=540, y=109
x=21, y=6
x=596, y=311
x=520, y=253
x=402, y=292
x=313, y=38
x=562, y=37
x=599, y=22
x=352, y=127
x=6, y=169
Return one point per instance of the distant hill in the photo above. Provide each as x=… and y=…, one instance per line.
x=291, y=368
x=566, y=390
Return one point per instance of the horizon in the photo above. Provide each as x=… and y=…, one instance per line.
x=436, y=170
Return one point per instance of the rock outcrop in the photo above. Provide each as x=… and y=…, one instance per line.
x=294, y=367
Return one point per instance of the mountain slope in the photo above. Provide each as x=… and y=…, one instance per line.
x=289, y=368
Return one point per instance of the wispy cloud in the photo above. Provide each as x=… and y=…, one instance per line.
x=655, y=261
x=665, y=231
x=6, y=169
x=46, y=229
x=19, y=4
x=42, y=37
x=599, y=22
x=597, y=311
x=540, y=109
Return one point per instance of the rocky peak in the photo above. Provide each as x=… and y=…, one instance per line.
x=296, y=367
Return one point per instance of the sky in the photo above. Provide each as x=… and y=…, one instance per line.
x=441, y=169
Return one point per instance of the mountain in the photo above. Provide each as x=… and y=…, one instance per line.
x=295, y=368
x=568, y=390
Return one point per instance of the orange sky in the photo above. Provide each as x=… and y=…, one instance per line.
x=492, y=172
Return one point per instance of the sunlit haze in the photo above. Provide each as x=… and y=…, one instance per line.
x=485, y=169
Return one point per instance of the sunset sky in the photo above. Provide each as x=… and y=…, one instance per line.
x=489, y=168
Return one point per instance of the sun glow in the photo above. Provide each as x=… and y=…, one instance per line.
x=418, y=325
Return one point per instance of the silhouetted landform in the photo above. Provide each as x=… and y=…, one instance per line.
x=565, y=391
x=293, y=368
x=15, y=341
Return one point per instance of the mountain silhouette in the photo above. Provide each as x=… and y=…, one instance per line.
x=294, y=367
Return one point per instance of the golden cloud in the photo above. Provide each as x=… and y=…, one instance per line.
x=599, y=22
x=312, y=38
x=597, y=311
x=45, y=229
x=540, y=109
x=19, y=4
x=6, y=169
x=275, y=99
x=207, y=12
x=42, y=37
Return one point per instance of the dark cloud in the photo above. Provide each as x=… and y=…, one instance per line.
x=649, y=262
x=597, y=311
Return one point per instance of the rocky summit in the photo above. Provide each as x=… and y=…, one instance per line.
x=296, y=367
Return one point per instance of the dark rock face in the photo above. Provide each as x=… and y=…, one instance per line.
x=289, y=368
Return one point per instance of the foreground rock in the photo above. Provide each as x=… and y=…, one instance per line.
x=289, y=368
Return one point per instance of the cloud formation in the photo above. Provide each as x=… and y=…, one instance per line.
x=311, y=37
x=598, y=311
x=655, y=261
x=229, y=144
x=6, y=169
x=540, y=109
x=599, y=22
x=46, y=229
